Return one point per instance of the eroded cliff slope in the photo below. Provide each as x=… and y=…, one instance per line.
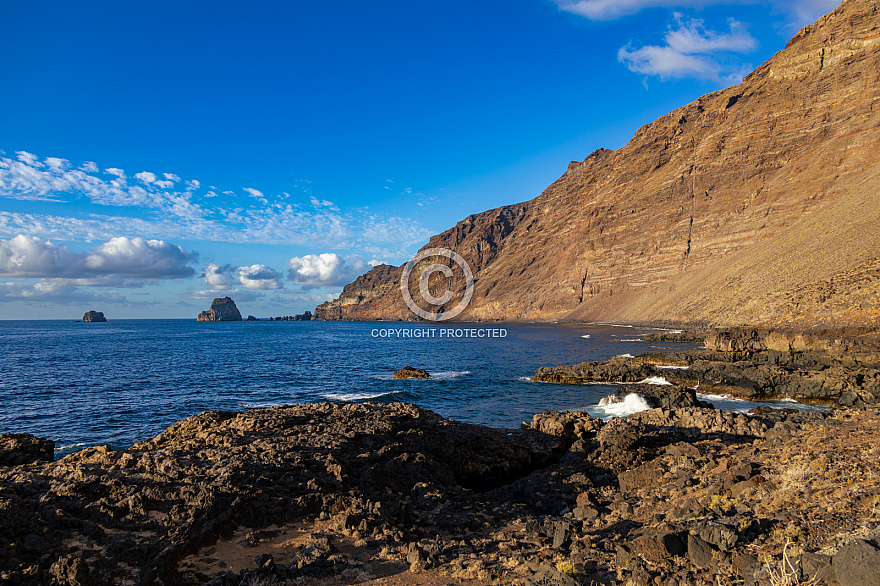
x=756, y=204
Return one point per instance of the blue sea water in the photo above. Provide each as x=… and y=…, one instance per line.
x=115, y=383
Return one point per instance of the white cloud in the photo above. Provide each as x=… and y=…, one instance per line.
x=28, y=159
x=171, y=177
x=219, y=278
x=798, y=12
x=259, y=277
x=58, y=292
x=325, y=269
x=56, y=164
x=690, y=51
x=128, y=258
x=89, y=167
x=146, y=177
x=157, y=210
x=255, y=277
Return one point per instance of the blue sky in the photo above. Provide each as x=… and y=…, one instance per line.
x=156, y=155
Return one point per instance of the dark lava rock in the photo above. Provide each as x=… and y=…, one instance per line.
x=618, y=370
x=662, y=396
x=94, y=316
x=699, y=552
x=857, y=564
x=23, y=448
x=141, y=509
x=410, y=372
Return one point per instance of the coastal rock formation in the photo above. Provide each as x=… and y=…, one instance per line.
x=222, y=309
x=307, y=494
x=410, y=372
x=757, y=204
x=23, y=448
x=94, y=316
x=307, y=316
x=755, y=365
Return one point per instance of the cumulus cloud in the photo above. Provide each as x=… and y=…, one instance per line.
x=128, y=258
x=172, y=177
x=255, y=277
x=146, y=177
x=327, y=269
x=259, y=277
x=114, y=171
x=219, y=278
x=89, y=167
x=689, y=51
x=254, y=192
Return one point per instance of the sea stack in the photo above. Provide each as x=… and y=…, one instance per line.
x=94, y=316
x=222, y=309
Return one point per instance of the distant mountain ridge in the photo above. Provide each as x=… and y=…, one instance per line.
x=757, y=204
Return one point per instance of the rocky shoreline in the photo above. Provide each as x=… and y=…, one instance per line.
x=840, y=369
x=338, y=493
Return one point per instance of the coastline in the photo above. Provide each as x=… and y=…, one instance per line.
x=343, y=493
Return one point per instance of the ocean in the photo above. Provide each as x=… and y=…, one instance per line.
x=115, y=383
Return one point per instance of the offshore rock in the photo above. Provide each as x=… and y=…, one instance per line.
x=222, y=309
x=410, y=372
x=94, y=316
x=756, y=204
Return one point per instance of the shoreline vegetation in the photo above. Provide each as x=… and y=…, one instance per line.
x=343, y=493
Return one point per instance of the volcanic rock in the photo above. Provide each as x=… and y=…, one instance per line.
x=222, y=309
x=23, y=448
x=94, y=316
x=410, y=372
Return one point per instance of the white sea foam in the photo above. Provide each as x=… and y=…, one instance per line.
x=70, y=447
x=357, y=396
x=620, y=326
x=632, y=340
x=527, y=379
x=263, y=405
x=632, y=403
x=624, y=356
x=655, y=380
x=673, y=367
x=450, y=374
x=587, y=336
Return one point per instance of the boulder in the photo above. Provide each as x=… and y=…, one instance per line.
x=857, y=563
x=222, y=309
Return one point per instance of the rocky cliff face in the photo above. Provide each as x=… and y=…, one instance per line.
x=757, y=204
x=222, y=309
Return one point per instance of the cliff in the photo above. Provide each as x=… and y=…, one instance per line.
x=757, y=204
x=222, y=309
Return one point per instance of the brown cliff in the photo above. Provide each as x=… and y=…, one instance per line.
x=757, y=204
